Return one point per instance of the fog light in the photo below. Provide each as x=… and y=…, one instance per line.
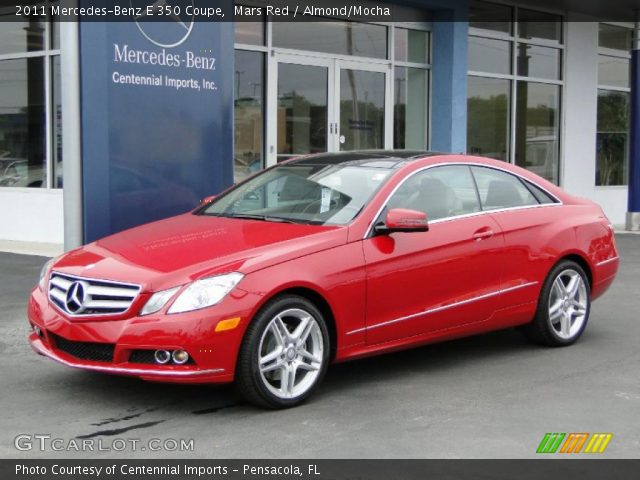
x=180, y=357
x=162, y=356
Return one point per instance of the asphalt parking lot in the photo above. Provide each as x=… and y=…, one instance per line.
x=490, y=396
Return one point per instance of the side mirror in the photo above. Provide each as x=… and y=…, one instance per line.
x=403, y=220
x=208, y=199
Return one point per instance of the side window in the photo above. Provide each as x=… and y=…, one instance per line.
x=542, y=196
x=499, y=189
x=440, y=192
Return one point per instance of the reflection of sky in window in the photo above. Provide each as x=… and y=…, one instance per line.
x=481, y=87
x=309, y=82
x=13, y=94
x=346, y=38
x=14, y=35
x=248, y=72
x=488, y=55
x=613, y=71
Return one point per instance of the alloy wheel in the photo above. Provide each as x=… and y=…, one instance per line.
x=568, y=303
x=291, y=353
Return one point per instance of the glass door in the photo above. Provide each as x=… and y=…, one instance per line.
x=303, y=102
x=363, y=114
x=318, y=104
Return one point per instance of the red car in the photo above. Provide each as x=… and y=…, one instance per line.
x=323, y=259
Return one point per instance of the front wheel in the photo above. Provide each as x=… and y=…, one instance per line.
x=563, y=307
x=284, y=355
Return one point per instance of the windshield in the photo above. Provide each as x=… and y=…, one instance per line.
x=313, y=194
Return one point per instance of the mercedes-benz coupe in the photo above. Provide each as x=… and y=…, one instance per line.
x=326, y=258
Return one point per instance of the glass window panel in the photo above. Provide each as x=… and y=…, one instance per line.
x=539, y=62
x=362, y=96
x=490, y=16
x=614, y=37
x=18, y=36
x=55, y=29
x=248, y=113
x=251, y=33
x=488, y=55
x=439, y=192
x=613, y=71
x=22, y=123
x=538, y=128
x=539, y=25
x=411, y=46
x=542, y=196
x=55, y=34
x=302, y=110
x=488, y=106
x=56, y=121
x=612, y=141
x=410, y=108
x=342, y=38
x=499, y=189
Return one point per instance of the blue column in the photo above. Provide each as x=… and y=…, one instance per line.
x=449, y=81
x=633, y=211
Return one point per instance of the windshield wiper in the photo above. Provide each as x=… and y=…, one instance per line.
x=267, y=218
x=264, y=218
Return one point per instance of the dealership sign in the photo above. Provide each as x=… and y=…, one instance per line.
x=174, y=69
x=157, y=103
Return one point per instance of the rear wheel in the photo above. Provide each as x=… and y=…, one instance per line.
x=284, y=355
x=563, y=307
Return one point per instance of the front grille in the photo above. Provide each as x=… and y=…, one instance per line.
x=97, y=352
x=78, y=296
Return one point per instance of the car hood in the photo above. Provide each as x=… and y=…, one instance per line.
x=181, y=249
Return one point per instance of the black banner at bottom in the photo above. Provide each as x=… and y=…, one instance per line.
x=545, y=469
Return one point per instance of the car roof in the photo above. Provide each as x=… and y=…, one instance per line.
x=390, y=159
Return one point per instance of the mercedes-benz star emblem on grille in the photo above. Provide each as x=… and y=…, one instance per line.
x=76, y=297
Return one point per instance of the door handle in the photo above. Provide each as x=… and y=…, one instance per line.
x=482, y=234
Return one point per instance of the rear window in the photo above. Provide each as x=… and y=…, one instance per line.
x=499, y=189
x=542, y=196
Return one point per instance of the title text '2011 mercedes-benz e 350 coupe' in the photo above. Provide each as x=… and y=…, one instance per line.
x=327, y=258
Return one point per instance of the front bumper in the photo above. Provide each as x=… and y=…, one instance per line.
x=212, y=354
x=146, y=373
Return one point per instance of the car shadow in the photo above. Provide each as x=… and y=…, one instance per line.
x=208, y=399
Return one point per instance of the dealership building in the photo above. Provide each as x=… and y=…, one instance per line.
x=106, y=125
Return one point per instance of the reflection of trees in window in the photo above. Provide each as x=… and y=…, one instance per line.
x=487, y=132
x=248, y=113
x=612, y=138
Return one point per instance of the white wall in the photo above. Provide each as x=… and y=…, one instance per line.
x=580, y=117
x=31, y=215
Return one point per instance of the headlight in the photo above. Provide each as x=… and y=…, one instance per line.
x=205, y=293
x=43, y=273
x=158, y=300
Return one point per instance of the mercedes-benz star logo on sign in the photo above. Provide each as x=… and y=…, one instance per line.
x=165, y=23
x=75, y=299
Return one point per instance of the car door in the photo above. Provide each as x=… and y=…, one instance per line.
x=446, y=277
x=513, y=203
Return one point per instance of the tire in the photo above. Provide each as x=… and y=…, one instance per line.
x=563, y=307
x=284, y=355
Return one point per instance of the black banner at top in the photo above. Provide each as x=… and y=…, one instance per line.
x=312, y=10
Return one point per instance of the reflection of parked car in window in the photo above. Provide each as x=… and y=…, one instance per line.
x=11, y=170
x=16, y=172
x=541, y=156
